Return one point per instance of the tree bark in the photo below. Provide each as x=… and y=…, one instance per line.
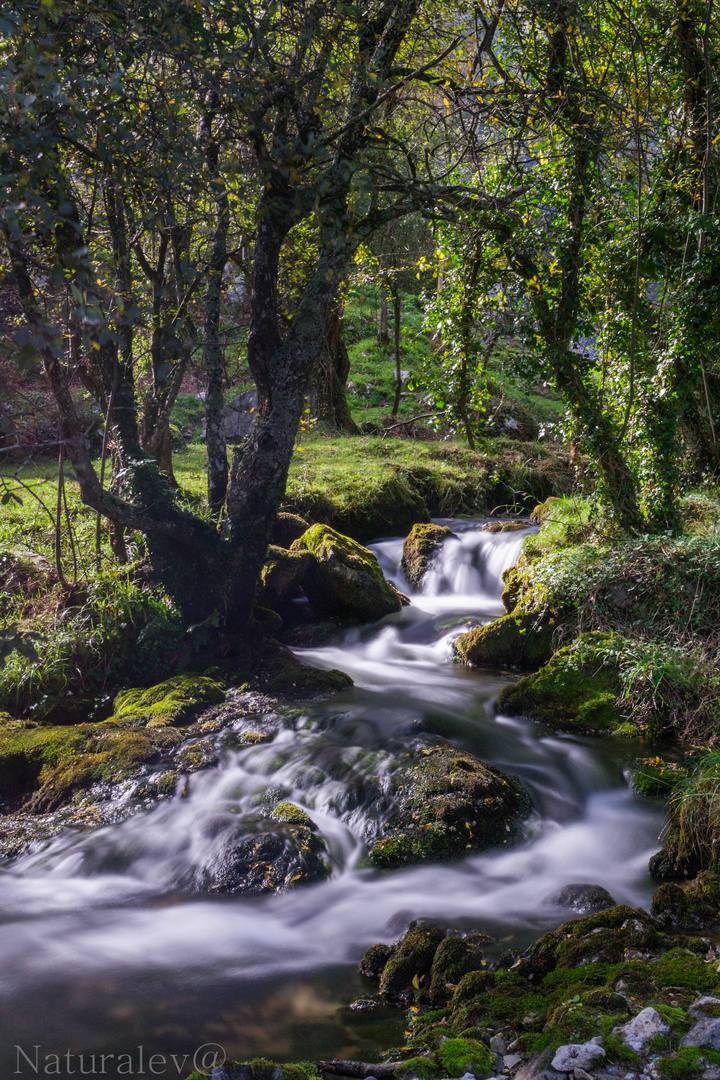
x=397, y=314
x=328, y=395
x=383, y=334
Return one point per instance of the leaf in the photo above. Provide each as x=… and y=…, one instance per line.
x=416, y=982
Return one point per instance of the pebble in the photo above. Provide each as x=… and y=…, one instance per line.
x=577, y=1055
x=642, y=1028
x=511, y=1061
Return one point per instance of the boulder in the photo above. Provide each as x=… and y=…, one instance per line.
x=408, y=969
x=445, y=804
x=704, y=1033
x=175, y=701
x=693, y=906
x=345, y=579
x=239, y=415
x=282, y=575
x=287, y=854
x=455, y=957
x=288, y=528
x=638, y=1032
x=578, y=1056
x=582, y=898
x=523, y=641
x=420, y=547
x=565, y=695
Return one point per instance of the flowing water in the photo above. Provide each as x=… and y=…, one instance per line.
x=106, y=945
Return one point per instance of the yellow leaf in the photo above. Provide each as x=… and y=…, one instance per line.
x=416, y=982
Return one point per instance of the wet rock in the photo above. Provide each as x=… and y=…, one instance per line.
x=271, y=862
x=420, y=548
x=703, y=1033
x=504, y=526
x=565, y=697
x=582, y=898
x=455, y=957
x=523, y=641
x=288, y=528
x=407, y=971
x=638, y=1032
x=373, y=962
x=447, y=803
x=695, y=905
x=345, y=579
x=275, y=671
x=673, y=862
x=293, y=815
x=578, y=1056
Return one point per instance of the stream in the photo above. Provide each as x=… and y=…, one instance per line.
x=105, y=946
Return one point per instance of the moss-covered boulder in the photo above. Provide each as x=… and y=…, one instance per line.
x=524, y=641
x=447, y=803
x=274, y=670
x=282, y=575
x=287, y=528
x=293, y=815
x=284, y=853
x=565, y=695
x=345, y=579
x=43, y=767
x=693, y=906
x=455, y=958
x=407, y=968
x=173, y=702
x=420, y=547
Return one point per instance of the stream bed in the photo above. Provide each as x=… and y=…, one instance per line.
x=106, y=949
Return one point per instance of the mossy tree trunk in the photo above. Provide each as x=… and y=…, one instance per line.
x=328, y=395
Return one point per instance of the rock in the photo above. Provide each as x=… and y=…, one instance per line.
x=408, y=969
x=691, y=906
x=346, y=579
x=580, y=1074
x=288, y=528
x=374, y=961
x=541, y=509
x=656, y=778
x=238, y=416
x=672, y=862
x=563, y=696
x=447, y=803
x=537, y=1067
x=270, y=862
x=175, y=701
x=638, y=1032
x=498, y=1045
x=293, y=815
x=703, y=1033
x=523, y=641
x=274, y=670
x=282, y=575
x=578, y=1056
x=455, y=957
x=511, y=1061
x=704, y=1007
x=420, y=547
x=582, y=898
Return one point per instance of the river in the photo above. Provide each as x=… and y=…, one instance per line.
x=106, y=948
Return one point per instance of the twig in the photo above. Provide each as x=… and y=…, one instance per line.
x=423, y=416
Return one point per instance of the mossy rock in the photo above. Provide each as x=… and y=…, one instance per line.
x=657, y=778
x=288, y=528
x=564, y=696
x=607, y=937
x=275, y=671
x=673, y=862
x=505, y=526
x=542, y=508
x=407, y=971
x=285, y=854
x=524, y=641
x=173, y=702
x=43, y=767
x=420, y=547
x=447, y=803
x=345, y=579
x=513, y=582
x=455, y=958
x=282, y=574
x=694, y=906
x=373, y=962
x=293, y=815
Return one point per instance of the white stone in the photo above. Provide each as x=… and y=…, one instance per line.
x=638, y=1032
x=704, y=1033
x=577, y=1056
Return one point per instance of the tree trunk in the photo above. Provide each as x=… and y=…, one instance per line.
x=383, y=334
x=397, y=312
x=214, y=361
x=328, y=397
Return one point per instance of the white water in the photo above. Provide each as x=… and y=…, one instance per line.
x=120, y=902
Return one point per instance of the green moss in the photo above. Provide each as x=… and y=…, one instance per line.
x=288, y=527
x=419, y=549
x=616, y=1050
x=567, y=693
x=692, y=905
x=678, y=967
x=473, y=985
x=408, y=968
x=345, y=578
x=458, y=1056
x=455, y=957
x=684, y=1064
x=523, y=641
x=374, y=960
x=173, y=702
x=293, y=815
x=422, y=1067
x=446, y=804
x=657, y=778
x=282, y=572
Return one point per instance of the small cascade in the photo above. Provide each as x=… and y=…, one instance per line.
x=132, y=898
